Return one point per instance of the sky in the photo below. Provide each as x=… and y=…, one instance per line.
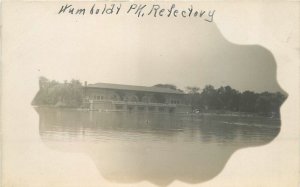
x=37, y=42
x=146, y=51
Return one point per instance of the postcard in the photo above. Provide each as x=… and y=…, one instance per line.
x=145, y=93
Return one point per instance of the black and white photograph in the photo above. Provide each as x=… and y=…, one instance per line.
x=158, y=94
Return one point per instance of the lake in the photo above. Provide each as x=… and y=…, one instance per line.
x=160, y=148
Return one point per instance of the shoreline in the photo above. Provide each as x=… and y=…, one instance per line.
x=196, y=114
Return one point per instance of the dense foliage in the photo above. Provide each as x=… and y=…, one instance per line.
x=229, y=99
x=53, y=93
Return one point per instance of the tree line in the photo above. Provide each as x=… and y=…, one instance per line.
x=229, y=99
x=225, y=98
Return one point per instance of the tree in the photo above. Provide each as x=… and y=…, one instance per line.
x=170, y=86
x=248, y=101
x=60, y=94
x=192, y=90
x=229, y=98
x=268, y=103
x=43, y=82
x=276, y=101
x=209, y=97
x=263, y=104
x=193, y=97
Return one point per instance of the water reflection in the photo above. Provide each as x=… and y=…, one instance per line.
x=160, y=148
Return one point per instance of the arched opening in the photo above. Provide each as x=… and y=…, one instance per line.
x=125, y=98
x=152, y=100
x=133, y=98
x=115, y=97
x=146, y=99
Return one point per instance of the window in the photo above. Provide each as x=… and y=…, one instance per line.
x=130, y=107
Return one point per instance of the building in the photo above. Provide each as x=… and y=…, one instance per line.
x=117, y=97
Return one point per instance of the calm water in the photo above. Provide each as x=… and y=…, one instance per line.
x=131, y=147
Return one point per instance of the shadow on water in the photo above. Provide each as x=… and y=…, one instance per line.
x=159, y=148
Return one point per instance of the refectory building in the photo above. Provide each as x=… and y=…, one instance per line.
x=117, y=97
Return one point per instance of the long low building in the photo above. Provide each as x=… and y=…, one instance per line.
x=117, y=97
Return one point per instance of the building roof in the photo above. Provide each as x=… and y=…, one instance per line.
x=134, y=88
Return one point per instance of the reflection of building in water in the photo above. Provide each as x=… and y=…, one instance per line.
x=134, y=98
x=126, y=149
